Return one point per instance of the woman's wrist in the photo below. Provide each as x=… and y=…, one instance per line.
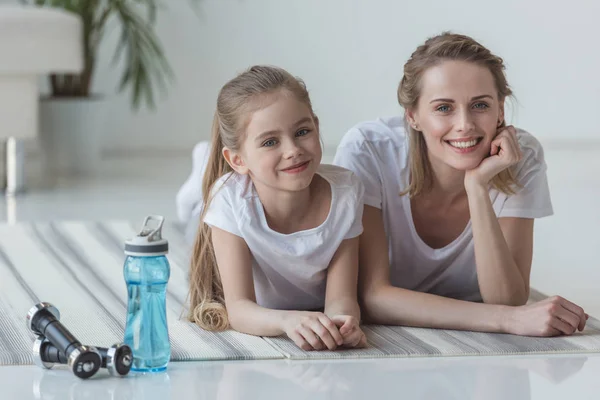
x=504, y=318
x=475, y=188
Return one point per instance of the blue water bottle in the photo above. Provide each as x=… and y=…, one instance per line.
x=147, y=272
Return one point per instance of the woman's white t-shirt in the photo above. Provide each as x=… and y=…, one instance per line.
x=377, y=151
x=289, y=270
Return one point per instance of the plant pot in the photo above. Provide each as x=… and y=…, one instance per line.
x=71, y=133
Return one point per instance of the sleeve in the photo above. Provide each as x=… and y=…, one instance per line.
x=356, y=229
x=357, y=155
x=221, y=209
x=532, y=199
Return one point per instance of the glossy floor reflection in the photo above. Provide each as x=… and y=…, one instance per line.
x=475, y=378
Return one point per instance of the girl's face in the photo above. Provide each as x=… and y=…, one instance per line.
x=281, y=148
x=458, y=113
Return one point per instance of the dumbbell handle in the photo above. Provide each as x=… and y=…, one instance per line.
x=51, y=354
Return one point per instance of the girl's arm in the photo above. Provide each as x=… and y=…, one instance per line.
x=235, y=267
x=386, y=304
x=341, y=304
x=503, y=251
x=342, y=281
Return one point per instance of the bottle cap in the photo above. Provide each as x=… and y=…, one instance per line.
x=149, y=242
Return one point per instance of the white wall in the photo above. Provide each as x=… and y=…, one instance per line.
x=351, y=54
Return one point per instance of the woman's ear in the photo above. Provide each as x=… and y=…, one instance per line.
x=501, y=113
x=411, y=118
x=235, y=161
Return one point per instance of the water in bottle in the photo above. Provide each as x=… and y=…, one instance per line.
x=147, y=272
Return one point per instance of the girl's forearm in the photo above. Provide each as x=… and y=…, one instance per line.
x=343, y=306
x=248, y=317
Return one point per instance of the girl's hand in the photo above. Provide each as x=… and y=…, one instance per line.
x=504, y=153
x=553, y=316
x=312, y=330
x=350, y=330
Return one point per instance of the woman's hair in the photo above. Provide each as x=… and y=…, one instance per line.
x=236, y=101
x=445, y=47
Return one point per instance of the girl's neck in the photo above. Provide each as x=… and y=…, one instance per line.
x=288, y=212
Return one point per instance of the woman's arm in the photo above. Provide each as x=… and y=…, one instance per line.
x=503, y=251
x=306, y=329
x=386, y=304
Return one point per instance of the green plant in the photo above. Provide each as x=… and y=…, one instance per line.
x=145, y=66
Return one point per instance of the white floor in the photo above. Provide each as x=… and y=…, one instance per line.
x=565, y=262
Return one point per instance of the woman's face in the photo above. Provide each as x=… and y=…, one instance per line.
x=458, y=113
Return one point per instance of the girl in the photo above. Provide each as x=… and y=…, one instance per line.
x=278, y=238
x=451, y=194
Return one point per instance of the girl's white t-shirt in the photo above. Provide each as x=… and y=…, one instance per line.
x=289, y=270
x=377, y=151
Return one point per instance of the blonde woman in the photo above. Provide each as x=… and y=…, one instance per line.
x=451, y=194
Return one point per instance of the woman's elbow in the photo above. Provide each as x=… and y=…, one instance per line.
x=512, y=299
x=371, y=306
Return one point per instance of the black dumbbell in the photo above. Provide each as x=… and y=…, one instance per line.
x=43, y=320
x=117, y=359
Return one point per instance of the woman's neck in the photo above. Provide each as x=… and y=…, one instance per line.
x=447, y=182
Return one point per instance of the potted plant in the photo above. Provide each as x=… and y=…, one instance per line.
x=70, y=117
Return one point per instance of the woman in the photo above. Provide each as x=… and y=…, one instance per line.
x=451, y=196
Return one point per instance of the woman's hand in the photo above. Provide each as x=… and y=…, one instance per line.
x=312, y=330
x=553, y=316
x=504, y=153
x=350, y=329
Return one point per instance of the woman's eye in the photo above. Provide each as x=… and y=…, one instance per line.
x=443, y=108
x=269, y=143
x=303, y=132
x=481, y=106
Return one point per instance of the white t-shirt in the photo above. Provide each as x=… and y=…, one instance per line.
x=289, y=270
x=377, y=151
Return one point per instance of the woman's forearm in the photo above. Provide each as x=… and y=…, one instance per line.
x=397, y=306
x=500, y=280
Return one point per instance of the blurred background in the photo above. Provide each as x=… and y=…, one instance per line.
x=351, y=55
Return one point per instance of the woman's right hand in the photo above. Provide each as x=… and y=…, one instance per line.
x=553, y=316
x=312, y=330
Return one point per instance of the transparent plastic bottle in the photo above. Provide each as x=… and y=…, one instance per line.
x=147, y=273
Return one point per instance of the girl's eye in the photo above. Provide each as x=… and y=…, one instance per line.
x=269, y=143
x=443, y=108
x=303, y=132
x=481, y=106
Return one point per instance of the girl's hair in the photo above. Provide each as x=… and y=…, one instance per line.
x=445, y=47
x=236, y=101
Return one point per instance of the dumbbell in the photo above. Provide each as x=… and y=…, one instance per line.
x=117, y=359
x=43, y=320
